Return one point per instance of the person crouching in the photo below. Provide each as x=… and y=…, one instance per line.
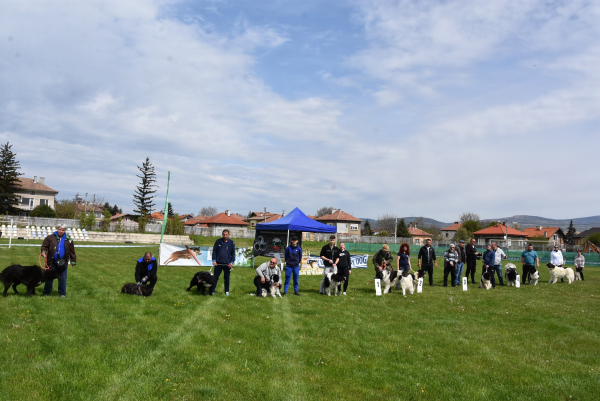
x=264, y=276
x=145, y=270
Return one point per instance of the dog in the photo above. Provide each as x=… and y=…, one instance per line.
x=137, y=289
x=271, y=288
x=187, y=254
x=419, y=274
x=407, y=282
x=559, y=272
x=486, y=280
x=577, y=276
x=203, y=280
x=388, y=279
x=332, y=280
x=534, y=277
x=30, y=276
x=511, y=275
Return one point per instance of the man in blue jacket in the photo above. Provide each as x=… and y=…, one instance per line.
x=223, y=256
x=145, y=270
x=489, y=257
x=293, y=257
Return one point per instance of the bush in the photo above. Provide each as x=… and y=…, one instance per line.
x=42, y=211
x=594, y=238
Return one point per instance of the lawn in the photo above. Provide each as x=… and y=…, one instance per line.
x=538, y=342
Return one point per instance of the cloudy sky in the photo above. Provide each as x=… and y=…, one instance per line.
x=411, y=108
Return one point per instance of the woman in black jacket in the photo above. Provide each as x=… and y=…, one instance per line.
x=344, y=265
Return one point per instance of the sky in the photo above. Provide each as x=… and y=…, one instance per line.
x=410, y=108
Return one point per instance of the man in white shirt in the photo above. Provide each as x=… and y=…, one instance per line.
x=556, y=258
x=499, y=254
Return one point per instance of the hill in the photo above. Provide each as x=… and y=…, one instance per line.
x=581, y=223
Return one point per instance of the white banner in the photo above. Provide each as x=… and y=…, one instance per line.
x=357, y=261
x=182, y=255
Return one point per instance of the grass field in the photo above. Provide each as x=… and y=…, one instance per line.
x=538, y=342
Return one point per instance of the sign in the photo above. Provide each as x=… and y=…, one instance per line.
x=465, y=281
x=420, y=285
x=518, y=282
x=377, y=287
x=183, y=255
x=356, y=261
x=268, y=243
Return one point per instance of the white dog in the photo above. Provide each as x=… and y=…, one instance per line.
x=333, y=280
x=559, y=272
x=486, y=280
x=534, y=277
x=407, y=281
x=511, y=274
x=577, y=276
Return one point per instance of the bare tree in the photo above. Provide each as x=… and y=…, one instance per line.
x=324, y=210
x=386, y=222
x=466, y=216
x=209, y=211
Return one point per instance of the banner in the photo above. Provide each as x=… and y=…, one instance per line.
x=268, y=243
x=183, y=255
x=357, y=261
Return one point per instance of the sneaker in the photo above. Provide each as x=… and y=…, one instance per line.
x=344, y=293
x=62, y=296
x=296, y=293
x=227, y=294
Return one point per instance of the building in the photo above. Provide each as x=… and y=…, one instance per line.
x=548, y=235
x=498, y=233
x=156, y=217
x=579, y=239
x=448, y=232
x=222, y=221
x=260, y=217
x=347, y=225
x=126, y=221
x=196, y=221
x=34, y=192
x=89, y=208
x=185, y=217
x=419, y=236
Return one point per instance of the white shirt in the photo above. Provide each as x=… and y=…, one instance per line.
x=498, y=258
x=556, y=258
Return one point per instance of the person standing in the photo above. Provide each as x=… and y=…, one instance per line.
x=383, y=255
x=344, y=265
x=472, y=255
x=460, y=264
x=329, y=254
x=58, y=250
x=264, y=276
x=223, y=256
x=146, y=269
x=450, y=262
x=426, y=260
x=489, y=257
x=556, y=258
x=529, y=257
x=293, y=257
x=579, y=263
x=499, y=254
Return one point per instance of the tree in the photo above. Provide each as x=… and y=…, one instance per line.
x=517, y=226
x=594, y=238
x=402, y=229
x=175, y=226
x=466, y=216
x=170, y=212
x=386, y=222
x=570, y=234
x=65, y=209
x=324, y=210
x=106, y=220
x=116, y=210
x=209, y=211
x=143, y=197
x=462, y=234
x=87, y=220
x=42, y=211
x=9, y=180
x=106, y=206
x=491, y=224
x=367, y=229
x=382, y=233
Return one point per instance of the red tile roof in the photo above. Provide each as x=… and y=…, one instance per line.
x=225, y=220
x=537, y=232
x=157, y=216
x=121, y=215
x=195, y=220
x=28, y=184
x=500, y=229
x=452, y=227
x=260, y=216
x=418, y=232
x=273, y=218
x=338, y=216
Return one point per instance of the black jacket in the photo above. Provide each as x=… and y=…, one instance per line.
x=329, y=254
x=141, y=269
x=345, y=260
x=471, y=252
x=427, y=258
x=461, y=254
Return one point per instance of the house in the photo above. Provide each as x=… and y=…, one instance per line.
x=195, y=221
x=156, y=217
x=448, y=232
x=419, y=236
x=127, y=222
x=34, y=192
x=98, y=210
x=226, y=220
x=498, y=233
x=548, y=235
x=347, y=225
x=579, y=238
x=185, y=217
x=260, y=217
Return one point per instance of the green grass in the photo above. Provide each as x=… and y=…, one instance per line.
x=538, y=342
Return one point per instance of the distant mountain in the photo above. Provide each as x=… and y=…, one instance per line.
x=426, y=220
x=581, y=223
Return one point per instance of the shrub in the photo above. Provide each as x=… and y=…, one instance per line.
x=42, y=211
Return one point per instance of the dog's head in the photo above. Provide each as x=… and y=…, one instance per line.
x=486, y=276
x=275, y=278
x=510, y=266
x=550, y=266
x=50, y=274
x=421, y=273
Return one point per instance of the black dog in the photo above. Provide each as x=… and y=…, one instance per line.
x=30, y=276
x=203, y=280
x=137, y=289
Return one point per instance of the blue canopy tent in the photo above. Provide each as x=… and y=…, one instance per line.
x=296, y=220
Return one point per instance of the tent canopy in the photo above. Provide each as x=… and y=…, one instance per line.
x=296, y=220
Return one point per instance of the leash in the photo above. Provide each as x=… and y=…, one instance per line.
x=45, y=262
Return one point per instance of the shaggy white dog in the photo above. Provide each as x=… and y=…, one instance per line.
x=511, y=275
x=332, y=280
x=486, y=281
x=408, y=283
x=559, y=272
x=577, y=276
x=534, y=277
x=388, y=279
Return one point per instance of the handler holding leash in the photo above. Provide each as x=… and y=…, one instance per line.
x=264, y=276
x=223, y=256
x=146, y=269
x=330, y=255
x=528, y=258
x=58, y=249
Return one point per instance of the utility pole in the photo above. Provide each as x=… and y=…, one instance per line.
x=396, y=230
x=265, y=215
x=85, y=204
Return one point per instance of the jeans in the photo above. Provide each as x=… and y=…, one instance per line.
x=458, y=274
x=226, y=272
x=326, y=271
x=62, y=282
x=498, y=269
x=289, y=272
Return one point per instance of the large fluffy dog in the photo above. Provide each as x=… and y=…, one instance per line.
x=272, y=289
x=407, y=282
x=332, y=281
x=559, y=272
x=388, y=279
x=486, y=281
x=534, y=277
x=137, y=289
x=30, y=276
x=511, y=274
x=203, y=280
